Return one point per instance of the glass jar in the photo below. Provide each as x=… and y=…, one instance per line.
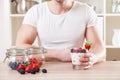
x=15, y=56
x=37, y=52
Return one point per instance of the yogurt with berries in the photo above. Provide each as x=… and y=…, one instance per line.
x=76, y=55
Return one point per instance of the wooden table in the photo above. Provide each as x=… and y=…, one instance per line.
x=109, y=70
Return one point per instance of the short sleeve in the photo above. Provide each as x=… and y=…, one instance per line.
x=91, y=17
x=31, y=16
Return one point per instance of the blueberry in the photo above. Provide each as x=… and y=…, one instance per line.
x=17, y=64
x=44, y=70
x=37, y=69
x=33, y=71
x=13, y=65
x=83, y=51
x=10, y=64
x=21, y=71
x=23, y=62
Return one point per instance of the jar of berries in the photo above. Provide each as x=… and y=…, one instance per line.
x=37, y=52
x=15, y=56
x=28, y=60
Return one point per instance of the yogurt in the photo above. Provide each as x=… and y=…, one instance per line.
x=76, y=58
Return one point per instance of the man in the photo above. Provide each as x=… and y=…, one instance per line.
x=60, y=25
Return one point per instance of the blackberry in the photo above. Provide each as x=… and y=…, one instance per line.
x=71, y=50
x=33, y=71
x=44, y=70
x=21, y=71
x=37, y=69
x=83, y=51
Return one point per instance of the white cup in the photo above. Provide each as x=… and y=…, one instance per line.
x=76, y=60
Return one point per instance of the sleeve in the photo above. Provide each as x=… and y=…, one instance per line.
x=91, y=17
x=31, y=16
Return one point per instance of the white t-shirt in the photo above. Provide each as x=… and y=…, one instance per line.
x=61, y=31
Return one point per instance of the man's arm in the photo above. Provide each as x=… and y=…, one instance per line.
x=97, y=47
x=25, y=38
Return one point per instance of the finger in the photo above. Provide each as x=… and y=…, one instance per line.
x=84, y=64
x=86, y=55
x=89, y=66
x=84, y=59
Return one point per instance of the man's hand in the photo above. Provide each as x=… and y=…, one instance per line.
x=85, y=61
x=64, y=55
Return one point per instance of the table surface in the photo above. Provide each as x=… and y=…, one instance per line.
x=109, y=70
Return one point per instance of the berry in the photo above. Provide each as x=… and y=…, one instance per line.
x=28, y=68
x=37, y=69
x=35, y=65
x=74, y=50
x=21, y=71
x=79, y=49
x=13, y=65
x=88, y=45
x=34, y=60
x=71, y=50
x=40, y=62
x=44, y=70
x=30, y=60
x=83, y=51
x=21, y=66
x=10, y=64
x=33, y=71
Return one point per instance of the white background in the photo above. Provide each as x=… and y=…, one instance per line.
x=4, y=29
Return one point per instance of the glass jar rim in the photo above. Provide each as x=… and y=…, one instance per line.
x=16, y=52
x=37, y=50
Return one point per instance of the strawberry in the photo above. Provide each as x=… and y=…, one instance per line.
x=21, y=66
x=35, y=65
x=28, y=68
x=88, y=45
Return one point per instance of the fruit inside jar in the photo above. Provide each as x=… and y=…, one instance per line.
x=15, y=56
x=37, y=52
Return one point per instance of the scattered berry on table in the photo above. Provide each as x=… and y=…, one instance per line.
x=28, y=68
x=44, y=70
x=35, y=65
x=37, y=69
x=21, y=66
x=13, y=65
x=21, y=71
x=33, y=71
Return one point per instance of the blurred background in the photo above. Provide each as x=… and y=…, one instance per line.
x=12, y=13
